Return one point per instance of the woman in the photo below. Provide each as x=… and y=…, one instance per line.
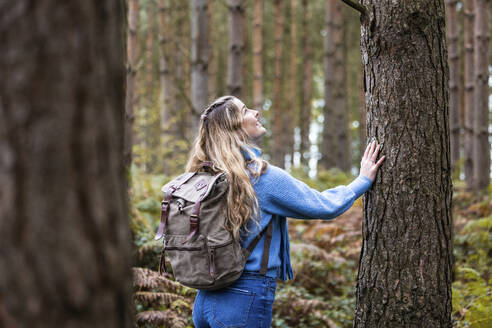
x=259, y=193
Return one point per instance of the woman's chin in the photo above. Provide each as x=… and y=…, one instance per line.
x=260, y=132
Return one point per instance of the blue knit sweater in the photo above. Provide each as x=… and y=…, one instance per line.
x=280, y=196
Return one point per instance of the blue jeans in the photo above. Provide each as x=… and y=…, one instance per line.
x=246, y=303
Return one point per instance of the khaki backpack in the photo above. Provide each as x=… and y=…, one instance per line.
x=202, y=253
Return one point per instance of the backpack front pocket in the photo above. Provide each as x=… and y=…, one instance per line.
x=226, y=259
x=189, y=261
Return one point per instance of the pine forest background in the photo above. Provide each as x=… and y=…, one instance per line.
x=299, y=63
x=99, y=103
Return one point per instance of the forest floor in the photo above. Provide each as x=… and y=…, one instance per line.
x=325, y=257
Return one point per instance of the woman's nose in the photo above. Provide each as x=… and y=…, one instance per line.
x=257, y=113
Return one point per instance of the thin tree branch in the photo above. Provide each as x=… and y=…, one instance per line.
x=357, y=6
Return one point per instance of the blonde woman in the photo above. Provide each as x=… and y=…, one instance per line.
x=260, y=193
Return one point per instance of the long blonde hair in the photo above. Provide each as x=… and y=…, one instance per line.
x=221, y=140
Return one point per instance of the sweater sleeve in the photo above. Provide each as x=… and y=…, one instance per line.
x=280, y=193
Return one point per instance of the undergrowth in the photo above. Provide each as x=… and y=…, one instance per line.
x=324, y=258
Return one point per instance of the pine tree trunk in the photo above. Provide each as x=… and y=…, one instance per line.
x=327, y=160
x=185, y=46
x=236, y=47
x=307, y=85
x=468, y=31
x=453, y=61
x=131, y=73
x=362, y=116
x=212, y=66
x=148, y=91
x=247, y=95
x=199, y=59
x=405, y=269
x=167, y=94
x=149, y=50
x=277, y=121
x=65, y=250
x=180, y=103
x=461, y=83
x=167, y=88
x=291, y=105
x=221, y=76
x=481, y=145
x=257, y=54
x=341, y=151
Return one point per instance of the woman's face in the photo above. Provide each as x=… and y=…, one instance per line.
x=251, y=125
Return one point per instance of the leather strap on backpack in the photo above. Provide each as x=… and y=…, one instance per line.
x=266, y=249
x=165, y=203
x=195, y=212
x=195, y=219
x=266, y=246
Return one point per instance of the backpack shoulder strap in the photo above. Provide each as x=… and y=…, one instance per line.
x=266, y=246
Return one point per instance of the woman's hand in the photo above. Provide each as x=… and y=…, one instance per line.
x=368, y=165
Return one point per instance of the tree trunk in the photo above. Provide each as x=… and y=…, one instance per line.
x=65, y=251
x=236, y=47
x=481, y=146
x=131, y=73
x=468, y=31
x=278, y=155
x=181, y=100
x=307, y=85
x=167, y=88
x=453, y=61
x=247, y=64
x=199, y=59
x=291, y=103
x=149, y=51
x=148, y=92
x=185, y=46
x=328, y=141
x=167, y=94
x=405, y=268
x=212, y=66
x=341, y=151
x=362, y=116
x=257, y=54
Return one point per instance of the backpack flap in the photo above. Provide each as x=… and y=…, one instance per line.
x=197, y=188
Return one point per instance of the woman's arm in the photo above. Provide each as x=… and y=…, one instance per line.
x=280, y=193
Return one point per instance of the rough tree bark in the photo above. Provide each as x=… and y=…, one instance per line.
x=257, y=53
x=481, y=145
x=65, y=248
x=236, y=47
x=469, y=97
x=453, y=61
x=199, y=60
x=405, y=268
x=131, y=78
x=277, y=119
x=362, y=115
